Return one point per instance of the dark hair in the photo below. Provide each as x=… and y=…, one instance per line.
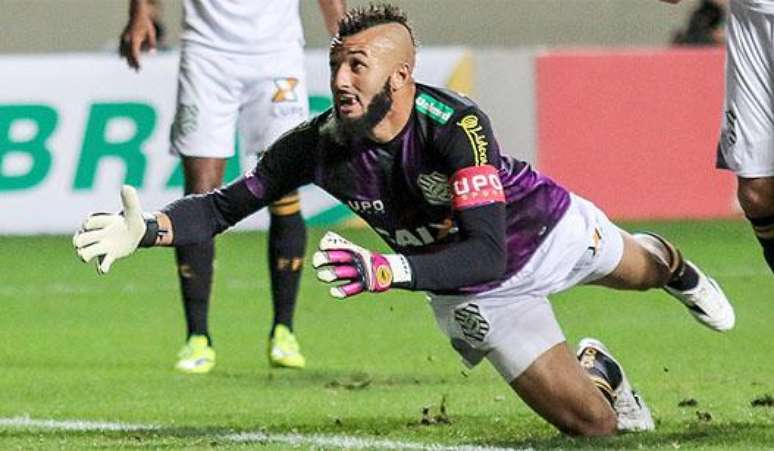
x=362, y=18
x=705, y=19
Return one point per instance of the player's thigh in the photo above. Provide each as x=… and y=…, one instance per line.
x=558, y=389
x=274, y=101
x=586, y=247
x=207, y=106
x=638, y=269
x=509, y=330
x=520, y=337
x=747, y=136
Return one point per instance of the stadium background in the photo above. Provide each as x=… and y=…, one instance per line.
x=579, y=89
x=588, y=90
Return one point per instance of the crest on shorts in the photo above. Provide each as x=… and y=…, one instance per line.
x=435, y=188
x=185, y=119
x=472, y=323
x=286, y=90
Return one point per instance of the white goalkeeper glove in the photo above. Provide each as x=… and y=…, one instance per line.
x=339, y=260
x=112, y=236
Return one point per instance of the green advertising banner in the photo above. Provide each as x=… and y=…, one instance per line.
x=74, y=128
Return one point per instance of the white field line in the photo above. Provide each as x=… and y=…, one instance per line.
x=350, y=442
x=296, y=440
x=72, y=425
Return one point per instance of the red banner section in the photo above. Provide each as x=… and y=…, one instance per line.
x=635, y=131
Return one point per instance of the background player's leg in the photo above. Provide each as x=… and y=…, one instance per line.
x=195, y=262
x=756, y=196
x=558, y=389
x=287, y=244
x=202, y=134
x=275, y=101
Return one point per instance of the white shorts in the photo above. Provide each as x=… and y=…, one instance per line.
x=220, y=94
x=747, y=136
x=513, y=324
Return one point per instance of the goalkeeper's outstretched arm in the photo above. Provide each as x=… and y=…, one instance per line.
x=192, y=219
x=198, y=218
x=285, y=167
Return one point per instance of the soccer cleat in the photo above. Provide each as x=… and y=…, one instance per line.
x=706, y=302
x=608, y=375
x=284, y=350
x=196, y=357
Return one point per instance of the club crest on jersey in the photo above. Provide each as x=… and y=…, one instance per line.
x=473, y=324
x=470, y=125
x=286, y=90
x=435, y=188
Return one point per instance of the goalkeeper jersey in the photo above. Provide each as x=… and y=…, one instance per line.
x=403, y=189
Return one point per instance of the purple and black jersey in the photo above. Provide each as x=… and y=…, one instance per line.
x=402, y=188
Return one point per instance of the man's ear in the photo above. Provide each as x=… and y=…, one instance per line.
x=400, y=78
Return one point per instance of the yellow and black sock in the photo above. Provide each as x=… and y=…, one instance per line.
x=287, y=243
x=194, y=265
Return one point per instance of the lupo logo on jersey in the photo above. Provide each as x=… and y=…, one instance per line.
x=476, y=185
x=366, y=207
x=477, y=139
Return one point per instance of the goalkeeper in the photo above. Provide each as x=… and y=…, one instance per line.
x=485, y=235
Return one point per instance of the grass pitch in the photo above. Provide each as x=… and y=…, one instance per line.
x=78, y=347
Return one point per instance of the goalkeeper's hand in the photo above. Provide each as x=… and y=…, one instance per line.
x=111, y=236
x=339, y=260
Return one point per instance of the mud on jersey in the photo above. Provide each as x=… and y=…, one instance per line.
x=402, y=188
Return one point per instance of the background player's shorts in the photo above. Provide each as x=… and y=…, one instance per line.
x=260, y=96
x=513, y=324
x=747, y=137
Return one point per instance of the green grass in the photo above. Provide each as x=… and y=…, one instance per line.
x=77, y=346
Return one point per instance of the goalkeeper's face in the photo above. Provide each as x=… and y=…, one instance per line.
x=362, y=69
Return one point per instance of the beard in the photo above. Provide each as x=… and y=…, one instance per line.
x=349, y=131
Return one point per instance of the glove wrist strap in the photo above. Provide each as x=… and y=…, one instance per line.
x=152, y=231
x=401, y=270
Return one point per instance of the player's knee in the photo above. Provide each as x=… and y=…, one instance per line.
x=201, y=185
x=756, y=196
x=202, y=175
x=595, y=422
x=659, y=260
x=606, y=424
